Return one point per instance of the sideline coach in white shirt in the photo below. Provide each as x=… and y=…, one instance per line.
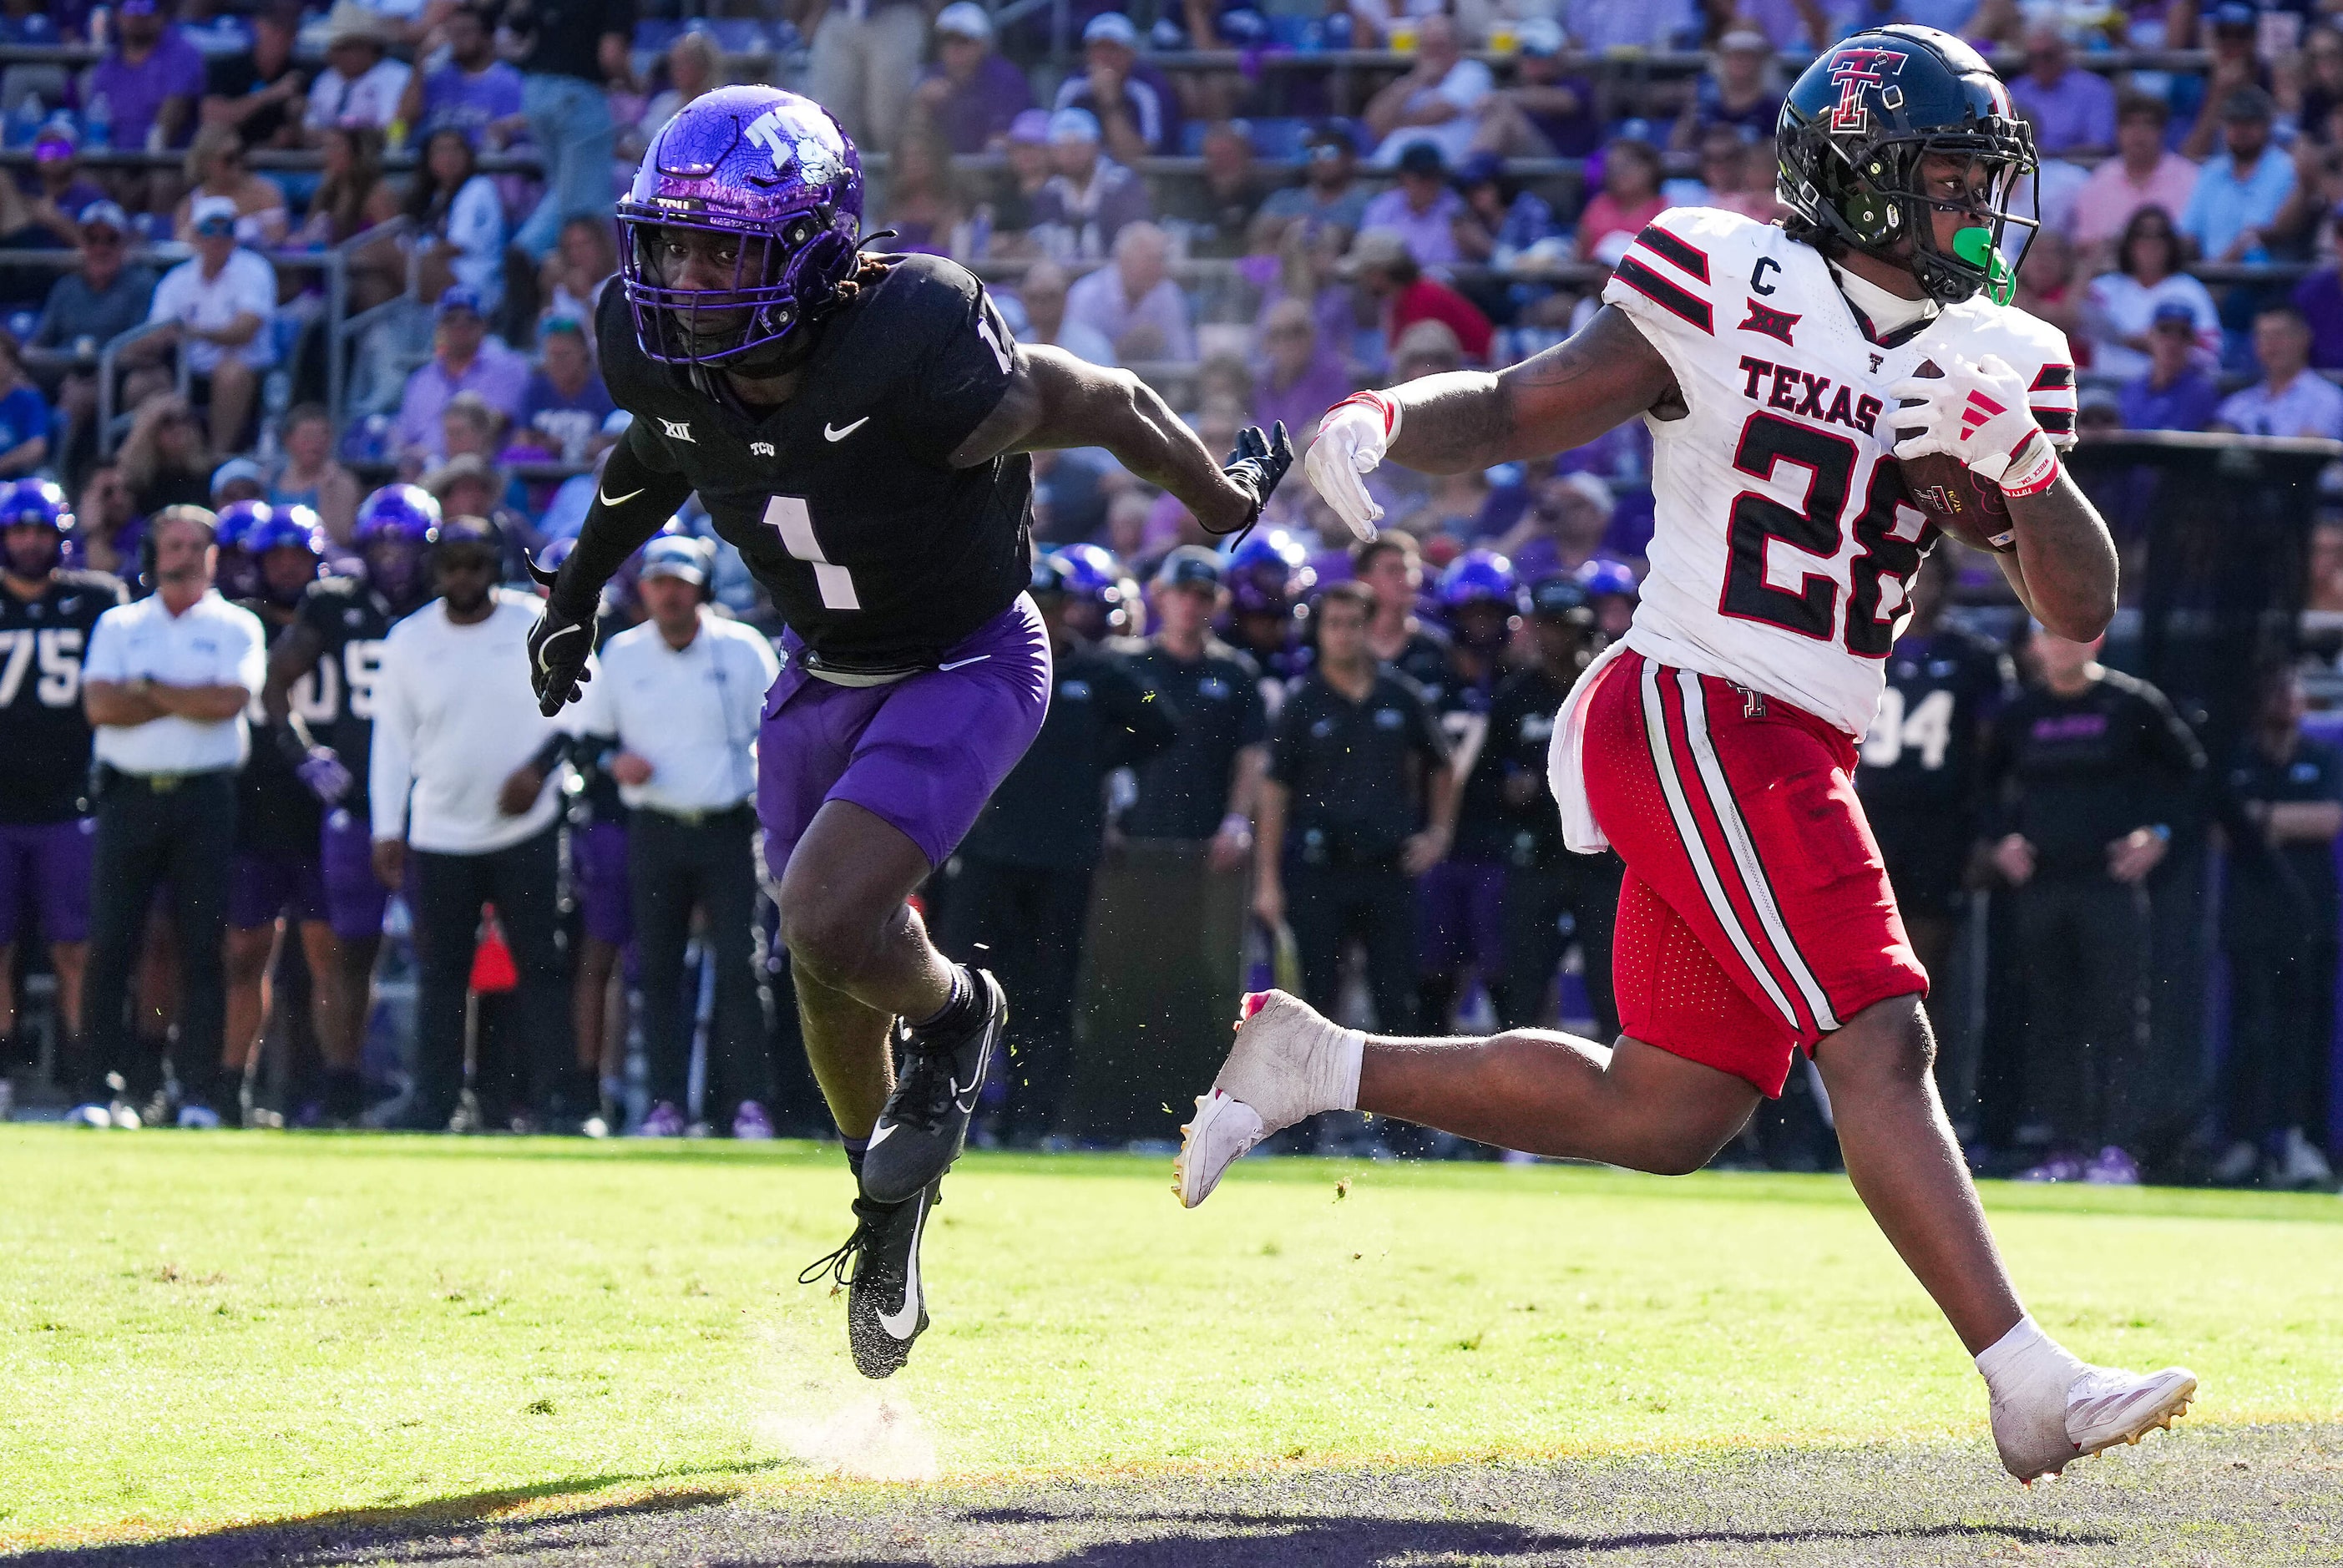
x=676, y=711
x=164, y=685
x=467, y=774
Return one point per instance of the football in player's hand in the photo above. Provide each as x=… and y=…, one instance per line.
x=1969, y=507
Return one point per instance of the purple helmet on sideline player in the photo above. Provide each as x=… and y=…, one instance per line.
x=1096, y=588
x=1270, y=573
x=774, y=189
x=1600, y=576
x=1480, y=577
x=397, y=511
x=268, y=531
x=39, y=504
x=394, y=527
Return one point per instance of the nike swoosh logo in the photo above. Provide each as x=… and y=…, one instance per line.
x=966, y=1106
x=835, y=433
x=545, y=649
x=880, y=1134
x=904, y=1320
x=964, y=663
x=610, y=500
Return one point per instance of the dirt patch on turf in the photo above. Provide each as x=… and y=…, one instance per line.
x=2207, y=1496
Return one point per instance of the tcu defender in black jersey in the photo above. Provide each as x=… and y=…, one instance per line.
x=46, y=829
x=856, y=427
x=332, y=651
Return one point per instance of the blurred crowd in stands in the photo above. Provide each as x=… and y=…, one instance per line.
x=292, y=256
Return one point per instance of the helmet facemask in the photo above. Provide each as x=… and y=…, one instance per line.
x=1887, y=198
x=777, y=276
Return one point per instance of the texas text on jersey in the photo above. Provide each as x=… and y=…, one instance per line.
x=350, y=619
x=1785, y=542
x=878, y=552
x=43, y=735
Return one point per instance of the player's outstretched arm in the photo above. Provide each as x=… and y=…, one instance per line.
x=1606, y=373
x=1055, y=400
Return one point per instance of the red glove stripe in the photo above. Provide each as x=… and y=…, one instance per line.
x=1379, y=403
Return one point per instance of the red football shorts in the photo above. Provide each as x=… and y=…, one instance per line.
x=1755, y=916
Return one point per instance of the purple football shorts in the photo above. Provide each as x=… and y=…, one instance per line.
x=262, y=887
x=922, y=754
x=1460, y=910
x=597, y=864
x=53, y=860
x=355, y=898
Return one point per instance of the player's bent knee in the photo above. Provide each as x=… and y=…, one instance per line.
x=831, y=945
x=1887, y=1044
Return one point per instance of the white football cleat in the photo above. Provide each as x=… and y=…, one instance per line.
x=2103, y=1407
x=1277, y=1072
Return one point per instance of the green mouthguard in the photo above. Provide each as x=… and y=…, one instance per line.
x=1974, y=246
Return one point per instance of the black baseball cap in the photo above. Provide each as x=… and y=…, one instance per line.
x=1561, y=598
x=1190, y=566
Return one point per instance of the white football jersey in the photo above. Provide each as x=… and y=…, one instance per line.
x=1784, y=540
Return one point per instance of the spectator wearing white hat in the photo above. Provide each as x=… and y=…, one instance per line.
x=223, y=300
x=361, y=83
x=1091, y=198
x=866, y=54
x=1440, y=101
x=1137, y=110
x=970, y=95
x=676, y=713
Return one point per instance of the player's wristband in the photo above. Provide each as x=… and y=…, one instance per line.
x=1387, y=407
x=2033, y=467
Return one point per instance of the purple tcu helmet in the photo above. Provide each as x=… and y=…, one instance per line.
x=35, y=501
x=1601, y=577
x=278, y=527
x=750, y=181
x=1270, y=573
x=1479, y=577
x=406, y=512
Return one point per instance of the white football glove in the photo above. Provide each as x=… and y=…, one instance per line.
x=1351, y=440
x=1977, y=413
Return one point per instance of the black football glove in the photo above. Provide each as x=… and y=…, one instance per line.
x=559, y=646
x=1257, y=465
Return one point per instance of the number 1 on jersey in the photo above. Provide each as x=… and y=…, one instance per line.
x=790, y=518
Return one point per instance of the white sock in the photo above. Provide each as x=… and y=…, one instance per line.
x=2026, y=1362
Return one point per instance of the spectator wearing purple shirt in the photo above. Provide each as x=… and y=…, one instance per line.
x=474, y=92
x=150, y=80
x=564, y=406
x=1303, y=378
x=2073, y=112
x=1420, y=207
x=1091, y=199
x=2319, y=297
x=2173, y=393
x=970, y=95
x=463, y=359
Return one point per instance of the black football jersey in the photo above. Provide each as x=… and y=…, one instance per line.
x=43, y=737
x=1942, y=692
x=275, y=812
x=877, y=552
x=336, y=699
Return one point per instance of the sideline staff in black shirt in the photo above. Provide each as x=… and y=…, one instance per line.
x=1359, y=800
x=1205, y=785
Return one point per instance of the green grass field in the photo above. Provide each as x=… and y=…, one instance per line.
x=201, y=1331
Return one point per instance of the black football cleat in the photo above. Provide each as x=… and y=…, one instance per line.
x=879, y=1266
x=925, y=1123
